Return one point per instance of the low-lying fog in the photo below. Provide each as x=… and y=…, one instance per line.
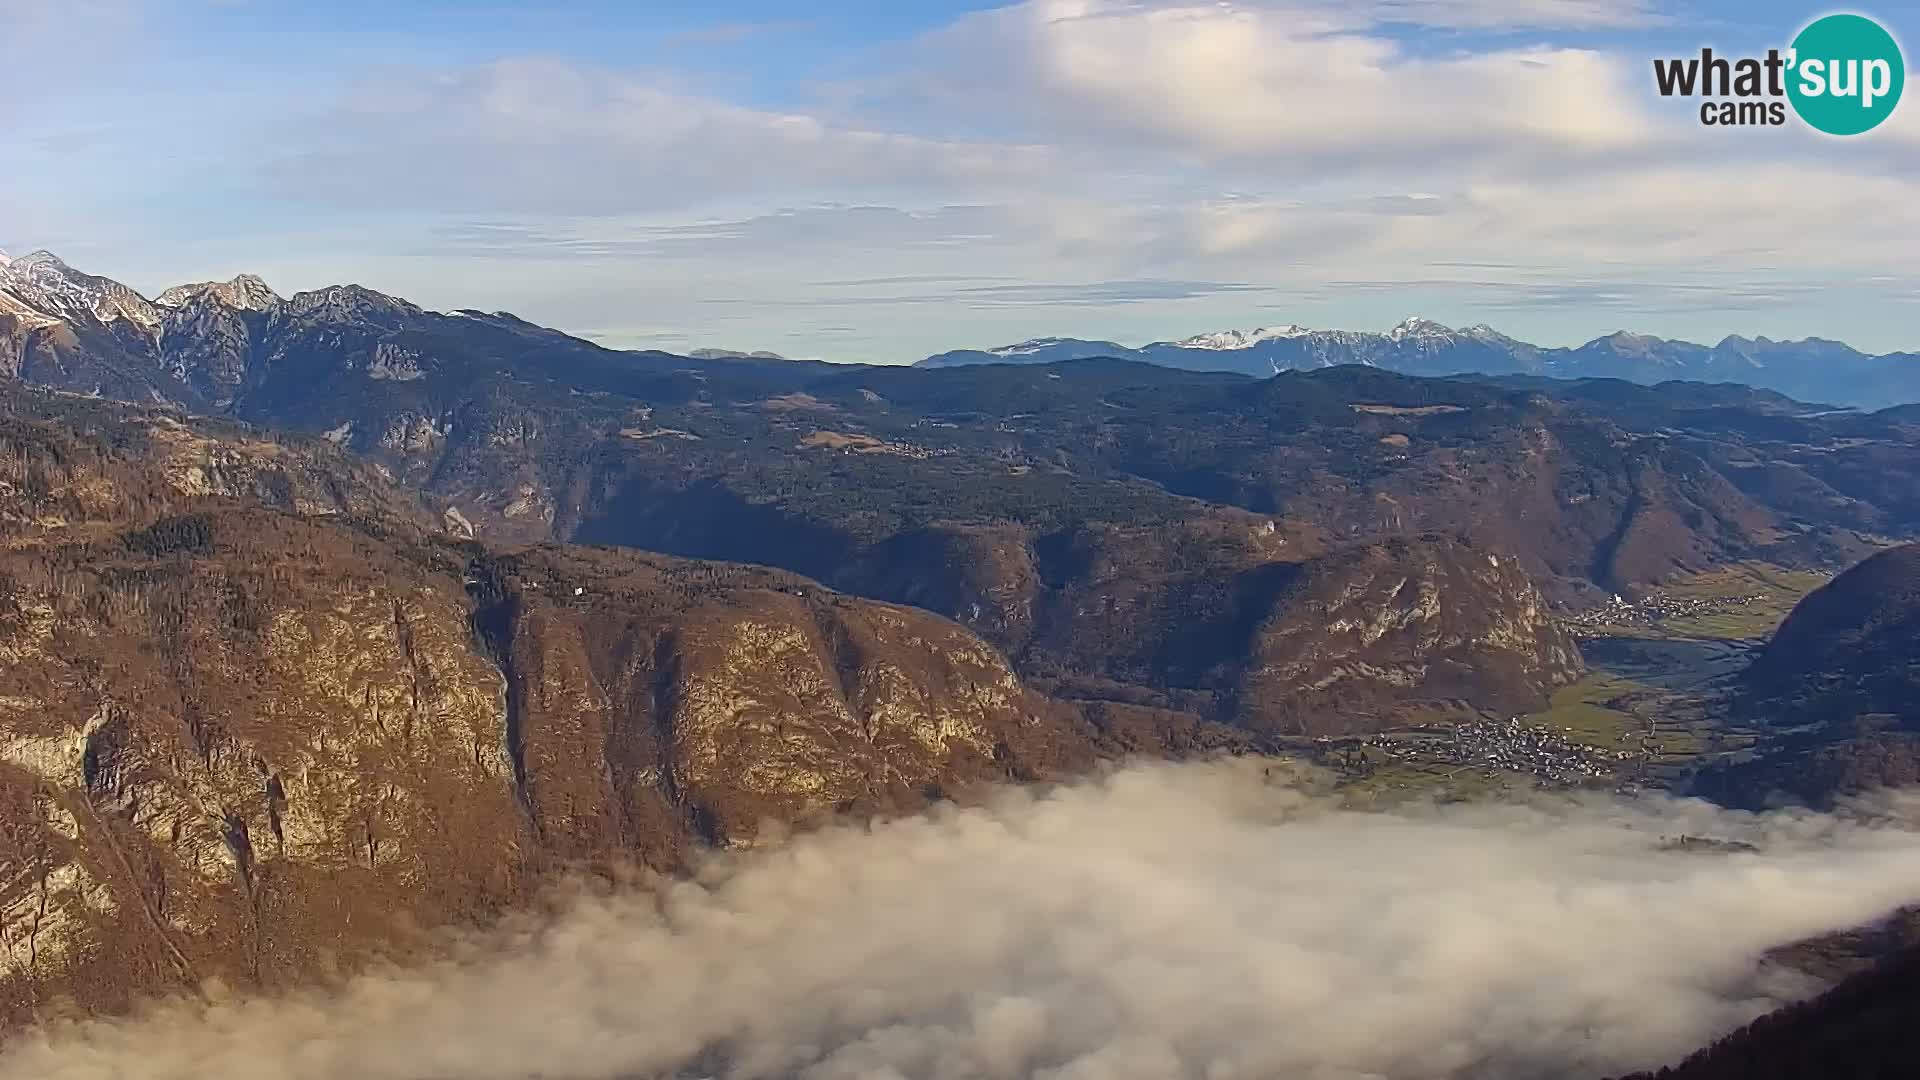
x=1162, y=921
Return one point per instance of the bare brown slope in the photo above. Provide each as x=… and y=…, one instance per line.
x=251, y=746
x=260, y=719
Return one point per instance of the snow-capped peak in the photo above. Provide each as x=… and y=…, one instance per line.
x=247, y=292
x=53, y=288
x=35, y=262
x=4, y=260
x=1418, y=327
x=1241, y=339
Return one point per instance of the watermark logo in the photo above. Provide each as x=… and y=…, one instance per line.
x=1850, y=74
x=1842, y=75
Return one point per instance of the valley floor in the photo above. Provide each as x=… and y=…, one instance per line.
x=1648, y=714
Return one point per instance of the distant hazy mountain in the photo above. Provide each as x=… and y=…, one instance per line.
x=1812, y=369
x=733, y=354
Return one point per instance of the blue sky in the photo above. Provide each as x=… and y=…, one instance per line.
x=875, y=181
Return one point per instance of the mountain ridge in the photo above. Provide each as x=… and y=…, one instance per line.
x=1811, y=368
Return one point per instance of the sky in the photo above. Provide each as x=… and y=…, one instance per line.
x=878, y=180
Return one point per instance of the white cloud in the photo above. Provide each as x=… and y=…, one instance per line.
x=1167, y=921
x=1290, y=87
x=544, y=135
x=1092, y=96
x=1752, y=221
x=1065, y=145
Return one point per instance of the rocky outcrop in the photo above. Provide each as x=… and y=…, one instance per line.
x=1369, y=633
x=737, y=697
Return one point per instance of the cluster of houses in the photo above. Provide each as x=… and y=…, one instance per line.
x=1617, y=611
x=1511, y=745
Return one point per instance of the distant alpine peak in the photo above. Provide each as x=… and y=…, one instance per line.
x=348, y=302
x=1241, y=339
x=246, y=292
x=5, y=259
x=1628, y=342
x=35, y=262
x=1418, y=327
x=734, y=354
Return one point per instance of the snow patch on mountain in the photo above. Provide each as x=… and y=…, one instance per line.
x=22, y=315
x=1029, y=347
x=1239, y=339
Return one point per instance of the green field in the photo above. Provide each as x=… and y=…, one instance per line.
x=1591, y=711
x=1740, y=602
x=1613, y=713
x=1778, y=589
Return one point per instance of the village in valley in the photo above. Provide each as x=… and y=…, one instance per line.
x=1642, y=717
x=1743, y=602
x=1552, y=759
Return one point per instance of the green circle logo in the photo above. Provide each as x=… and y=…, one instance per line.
x=1846, y=74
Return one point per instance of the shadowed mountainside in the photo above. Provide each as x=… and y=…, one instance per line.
x=1861, y=1029
x=1839, y=683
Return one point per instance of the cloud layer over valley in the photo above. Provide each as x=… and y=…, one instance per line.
x=1162, y=921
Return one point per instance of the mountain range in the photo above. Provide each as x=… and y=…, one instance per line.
x=1123, y=532
x=50, y=311
x=1810, y=370
x=294, y=589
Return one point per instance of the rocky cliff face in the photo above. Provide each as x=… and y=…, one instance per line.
x=255, y=728
x=1430, y=621
x=254, y=755
x=247, y=746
